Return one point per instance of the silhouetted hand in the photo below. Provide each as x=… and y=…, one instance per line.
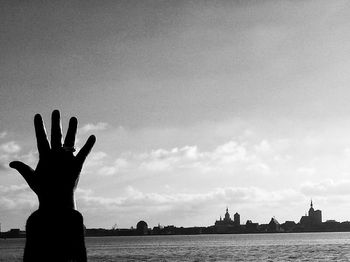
x=57, y=174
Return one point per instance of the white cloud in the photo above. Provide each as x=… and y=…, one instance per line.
x=16, y=197
x=13, y=188
x=263, y=147
x=96, y=156
x=10, y=147
x=30, y=158
x=95, y=159
x=107, y=170
x=306, y=171
x=119, y=165
x=92, y=127
x=231, y=195
x=94, y=162
x=7, y=151
x=347, y=152
x=226, y=157
x=327, y=187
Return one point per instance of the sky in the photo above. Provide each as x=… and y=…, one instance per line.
x=196, y=106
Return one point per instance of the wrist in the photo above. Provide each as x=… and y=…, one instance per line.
x=57, y=204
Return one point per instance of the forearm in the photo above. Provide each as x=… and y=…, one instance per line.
x=55, y=236
x=56, y=201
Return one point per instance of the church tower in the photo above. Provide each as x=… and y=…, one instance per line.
x=311, y=210
x=315, y=216
x=236, y=219
x=227, y=215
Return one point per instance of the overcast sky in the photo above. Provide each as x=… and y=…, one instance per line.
x=196, y=105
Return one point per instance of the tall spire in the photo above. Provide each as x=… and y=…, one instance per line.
x=311, y=205
x=226, y=209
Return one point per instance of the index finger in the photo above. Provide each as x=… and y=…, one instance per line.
x=41, y=137
x=85, y=150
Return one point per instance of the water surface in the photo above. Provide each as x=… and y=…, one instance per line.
x=249, y=247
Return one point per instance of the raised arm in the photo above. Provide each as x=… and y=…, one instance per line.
x=55, y=232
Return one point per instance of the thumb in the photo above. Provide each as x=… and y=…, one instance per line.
x=26, y=171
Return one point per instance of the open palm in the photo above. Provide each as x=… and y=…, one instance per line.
x=57, y=174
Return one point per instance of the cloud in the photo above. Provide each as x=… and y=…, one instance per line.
x=226, y=157
x=119, y=165
x=95, y=159
x=97, y=156
x=232, y=195
x=3, y=134
x=16, y=197
x=263, y=147
x=3, y=167
x=107, y=170
x=29, y=158
x=306, y=171
x=10, y=147
x=92, y=127
x=327, y=187
x=7, y=151
x=13, y=188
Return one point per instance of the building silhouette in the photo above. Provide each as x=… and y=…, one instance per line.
x=273, y=226
x=237, y=219
x=142, y=228
x=314, y=218
x=251, y=227
x=311, y=222
x=227, y=225
x=288, y=226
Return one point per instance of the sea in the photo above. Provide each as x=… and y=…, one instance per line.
x=236, y=247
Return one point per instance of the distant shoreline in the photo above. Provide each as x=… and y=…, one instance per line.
x=150, y=235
